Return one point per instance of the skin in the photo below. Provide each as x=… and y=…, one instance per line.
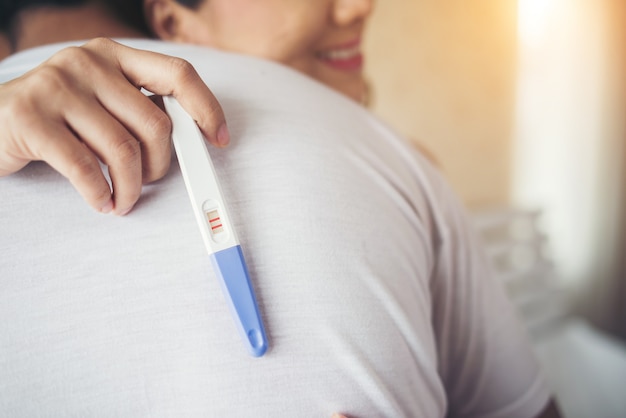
x=5, y=47
x=57, y=114
x=299, y=33
x=139, y=154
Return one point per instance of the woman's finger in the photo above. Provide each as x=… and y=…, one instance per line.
x=34, y=129
x=60, y=148
x=147, y=123
x=85, y=104
x=165, y=75
x=111, y=142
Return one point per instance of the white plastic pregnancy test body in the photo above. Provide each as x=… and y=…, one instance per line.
x=215, y=225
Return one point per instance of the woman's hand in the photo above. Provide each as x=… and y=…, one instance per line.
x=84, y=104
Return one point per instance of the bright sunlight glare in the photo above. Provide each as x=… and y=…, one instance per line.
x=533, y=18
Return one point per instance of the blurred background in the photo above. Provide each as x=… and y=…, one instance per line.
x=522, y=103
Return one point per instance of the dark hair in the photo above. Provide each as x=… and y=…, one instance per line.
x=9, y=8
x=129, y=11
x=192, y=4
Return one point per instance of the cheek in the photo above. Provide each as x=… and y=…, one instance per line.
x=297, y=47
x=238, y=25
x=263, y=38
x=280, y=30
x=294, y=34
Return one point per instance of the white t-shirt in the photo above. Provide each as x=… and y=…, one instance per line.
x=375, y=295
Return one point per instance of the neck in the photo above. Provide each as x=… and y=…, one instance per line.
x=49, y=24
x=5, y=47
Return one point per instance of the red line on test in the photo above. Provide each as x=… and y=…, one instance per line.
x=216, y=226
x=214, y=219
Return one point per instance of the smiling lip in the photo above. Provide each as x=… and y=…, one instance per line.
x=345, y=57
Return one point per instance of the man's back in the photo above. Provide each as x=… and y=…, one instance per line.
x=375, y=300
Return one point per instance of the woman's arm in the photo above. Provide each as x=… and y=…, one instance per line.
x=84, y=105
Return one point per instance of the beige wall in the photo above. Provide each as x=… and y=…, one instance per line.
x=443, y=73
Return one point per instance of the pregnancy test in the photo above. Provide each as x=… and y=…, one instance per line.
x=215, y=225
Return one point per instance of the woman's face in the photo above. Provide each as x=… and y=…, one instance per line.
x=321, y=38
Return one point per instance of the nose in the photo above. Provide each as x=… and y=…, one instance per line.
x=346, y=12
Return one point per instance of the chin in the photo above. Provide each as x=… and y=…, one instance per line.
x=354, y=89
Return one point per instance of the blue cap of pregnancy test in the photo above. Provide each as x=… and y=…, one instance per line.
x=237, y=288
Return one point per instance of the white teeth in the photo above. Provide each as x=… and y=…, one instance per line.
x=341, y=54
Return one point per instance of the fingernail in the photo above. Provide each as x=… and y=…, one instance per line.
x=223, y=136
x=108, y=207
x=125, y=211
